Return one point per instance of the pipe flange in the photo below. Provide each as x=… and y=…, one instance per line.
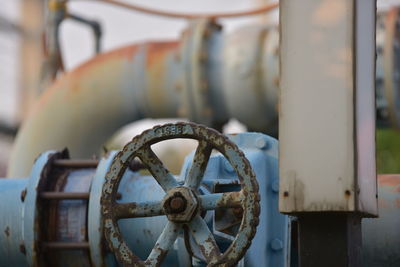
x=199, y=52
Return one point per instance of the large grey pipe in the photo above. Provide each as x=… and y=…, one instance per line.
x=85, y=107
x=208, y=77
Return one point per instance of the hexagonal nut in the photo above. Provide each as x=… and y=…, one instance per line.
x=190, y=204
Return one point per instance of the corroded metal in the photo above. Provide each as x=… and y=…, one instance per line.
x=132, y=210
x=53, y=215
x=271, y=244
x=32, y=216
x=95, y=226
x=221, y=200
x=186, y=204
x=62, y=214
x=140, y=147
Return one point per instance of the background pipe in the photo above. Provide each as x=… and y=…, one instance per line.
x=207, y=77
x=251, y=77
x=86, y=106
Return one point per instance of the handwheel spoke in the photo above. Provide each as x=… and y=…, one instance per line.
x=137, y=210
x=163, y=244
x=221, y=200
x=157, y=169
x=205, y=240
x=199, y=165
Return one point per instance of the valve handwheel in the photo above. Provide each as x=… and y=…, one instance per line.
x=182, y=204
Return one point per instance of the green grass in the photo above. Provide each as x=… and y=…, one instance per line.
x=388, y=151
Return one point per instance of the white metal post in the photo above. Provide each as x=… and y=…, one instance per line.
x=327, y=120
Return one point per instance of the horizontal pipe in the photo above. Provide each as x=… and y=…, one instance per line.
x=83, y=108
x=200, y=77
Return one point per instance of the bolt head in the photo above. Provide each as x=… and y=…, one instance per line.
x=275, y=186
x=276, y=244
x=177, y=204
x=180, y=204
x=261, y=143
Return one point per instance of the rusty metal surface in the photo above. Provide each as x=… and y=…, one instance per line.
x=32, y=221
x=48, y=221
x=200, y=231
x=180, y=204
x=132, y=210
x=136, y=188
x=271, y=244
x=62, y=205
x=225, y=200
x=95, y=228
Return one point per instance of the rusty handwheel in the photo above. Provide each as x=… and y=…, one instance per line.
x=182, y=203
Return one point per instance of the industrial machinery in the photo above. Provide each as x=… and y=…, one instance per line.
x=207, y=215
x=228, y=206
x=129, y=208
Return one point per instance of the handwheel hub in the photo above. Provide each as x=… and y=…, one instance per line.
x=177, y=204
x=180, y=204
